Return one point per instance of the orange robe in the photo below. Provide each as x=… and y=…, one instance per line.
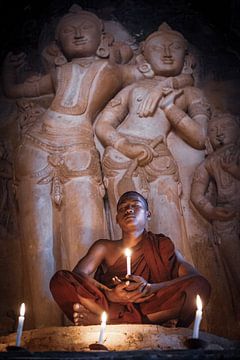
x=155, y=260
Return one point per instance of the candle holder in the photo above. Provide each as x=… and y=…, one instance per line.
x=195, y=343
x=21, y=351
x=98, y=347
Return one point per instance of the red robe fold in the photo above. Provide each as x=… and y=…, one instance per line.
x=155, y=260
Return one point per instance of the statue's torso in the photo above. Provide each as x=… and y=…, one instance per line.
x=83, y=90
x=145, y=127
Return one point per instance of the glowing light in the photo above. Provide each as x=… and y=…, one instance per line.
x=22, y=309
x=20, y=324
x=198, y=317
x=199, y=303
x=128, y=254
x=103, y=327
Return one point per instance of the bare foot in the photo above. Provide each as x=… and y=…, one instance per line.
x=82, y=316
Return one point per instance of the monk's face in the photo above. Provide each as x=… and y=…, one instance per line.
x=165, y=53
x=132, y=213
x=79, y=36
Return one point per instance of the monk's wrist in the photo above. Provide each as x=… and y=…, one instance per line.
x=148, y=289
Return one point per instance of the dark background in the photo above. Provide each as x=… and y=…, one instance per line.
x=211, y=26
x=21, y=22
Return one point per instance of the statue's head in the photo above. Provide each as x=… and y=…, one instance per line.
x=79, y=33
x=165, y=51
x=223, y=129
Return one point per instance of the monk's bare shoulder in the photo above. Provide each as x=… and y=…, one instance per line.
x=110, y=249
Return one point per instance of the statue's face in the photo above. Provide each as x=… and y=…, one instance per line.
x=223, y=131
x=165, y=53
x=79, y=36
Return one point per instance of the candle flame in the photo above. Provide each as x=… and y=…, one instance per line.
x=22, y=309
x=104, y=317
x=128, y=252
x=199, y=303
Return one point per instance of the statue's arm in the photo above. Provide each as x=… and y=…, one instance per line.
x=32, y=87
x=191, y=121
x=106, y=129
x=133, y=73
x=231, y=162
x=198, y=197
x=199, y=187
x=111, y=117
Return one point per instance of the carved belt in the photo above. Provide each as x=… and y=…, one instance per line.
x=57, y=172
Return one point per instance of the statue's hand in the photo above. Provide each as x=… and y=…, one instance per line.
x=169, y=99
x=149, y=103
x=142, y=152
x=13, y=62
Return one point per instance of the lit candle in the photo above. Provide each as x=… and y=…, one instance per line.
x=128, y=254
x=20, y=324
x=198, y=318
x=103, y=327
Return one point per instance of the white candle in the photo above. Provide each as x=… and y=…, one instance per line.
x=128, y=254
x=198, y=318
x=103, y=327
x=20, y=324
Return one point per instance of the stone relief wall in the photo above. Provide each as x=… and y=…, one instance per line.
x=59, y=164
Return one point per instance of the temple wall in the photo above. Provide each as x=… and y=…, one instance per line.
x=216, y=73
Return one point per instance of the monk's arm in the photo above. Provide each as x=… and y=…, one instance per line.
x=94, y=257
x=185, y=271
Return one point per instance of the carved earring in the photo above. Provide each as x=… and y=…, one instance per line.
x=103, y=49
x=52, y=55
x=60, y=60
x=188, y=64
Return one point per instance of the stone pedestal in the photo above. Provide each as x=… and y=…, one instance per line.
x=122, y=337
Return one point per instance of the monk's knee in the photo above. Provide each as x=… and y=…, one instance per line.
x=58, y=278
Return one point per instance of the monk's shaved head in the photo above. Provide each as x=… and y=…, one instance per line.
x=132, y=195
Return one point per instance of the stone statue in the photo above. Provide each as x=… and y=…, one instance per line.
x=137, y=155
x=57, y=169
x=222, y=167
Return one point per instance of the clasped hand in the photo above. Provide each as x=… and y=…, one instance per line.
x=135, y=289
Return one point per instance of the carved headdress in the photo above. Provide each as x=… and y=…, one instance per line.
x=163, y=29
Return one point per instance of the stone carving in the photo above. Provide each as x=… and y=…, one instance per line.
x=58, y=177
x=137, y=154
x=57, y=169
x=222, y=168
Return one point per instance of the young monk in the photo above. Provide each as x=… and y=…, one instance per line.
x=162, y=287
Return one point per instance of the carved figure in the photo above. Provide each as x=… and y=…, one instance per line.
x=137, y=155
x=222, y=167
x=59, y=184
x=161, y=288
